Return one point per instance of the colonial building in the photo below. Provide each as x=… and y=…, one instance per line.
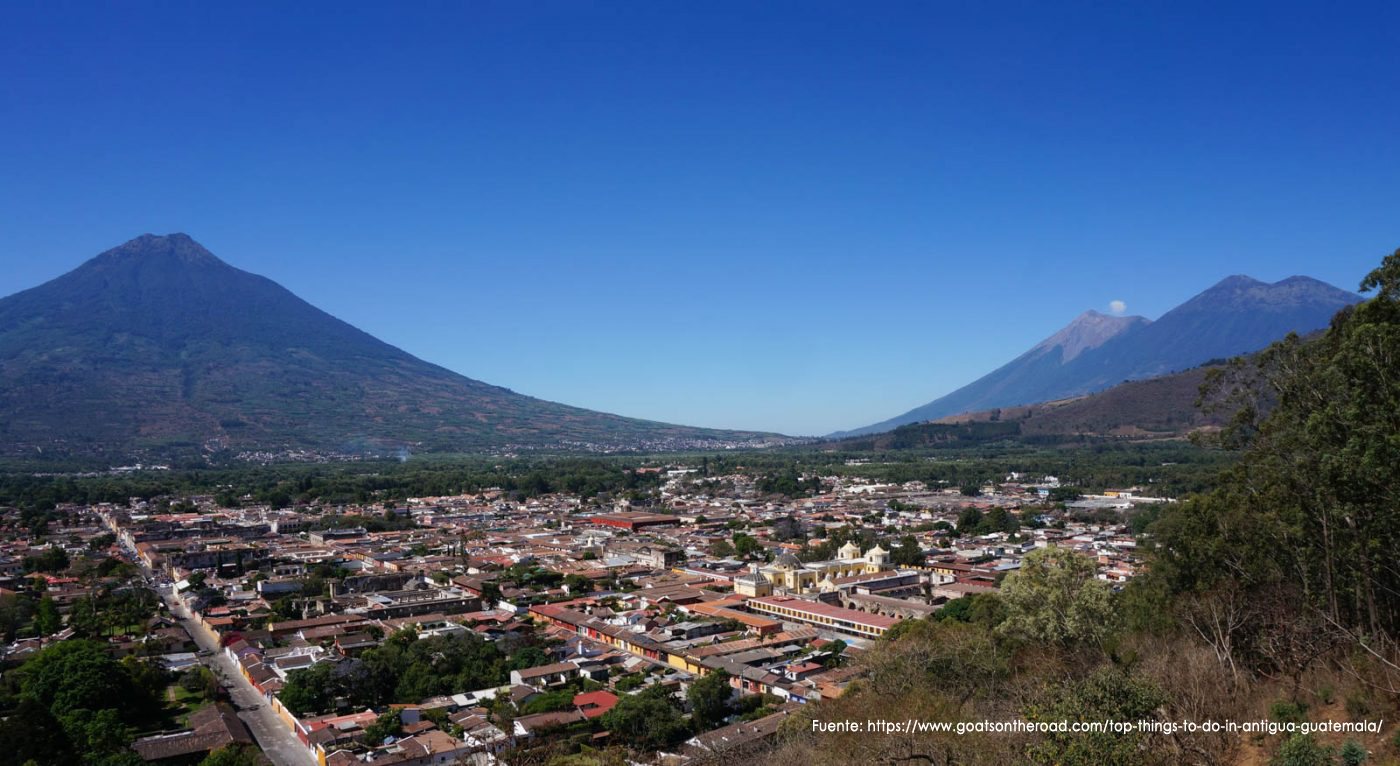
x=789, y=575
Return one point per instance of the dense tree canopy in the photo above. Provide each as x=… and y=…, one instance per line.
x=650, y=719
x=1055, y=597
x=66, y=714
x=709, y=700
x=406, y=668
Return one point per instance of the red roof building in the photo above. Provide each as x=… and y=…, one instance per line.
x=594, y=704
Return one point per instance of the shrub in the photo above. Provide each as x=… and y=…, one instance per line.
x=1302, y=750
x=1353, y=754
x=1285, y=711
x=1326, y=694
x=1358, y=705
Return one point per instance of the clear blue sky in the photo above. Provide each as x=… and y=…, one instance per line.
x=790, y=216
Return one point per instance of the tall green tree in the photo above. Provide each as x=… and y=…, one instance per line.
x=709, y=700
x=46, y=618
x=1055, y=597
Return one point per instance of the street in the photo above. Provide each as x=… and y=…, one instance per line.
x=271, y=733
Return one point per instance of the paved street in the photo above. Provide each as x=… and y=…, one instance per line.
x=271, y=733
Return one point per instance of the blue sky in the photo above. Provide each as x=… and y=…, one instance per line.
x=790, y=216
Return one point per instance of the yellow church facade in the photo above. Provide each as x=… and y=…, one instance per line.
x=789, y=575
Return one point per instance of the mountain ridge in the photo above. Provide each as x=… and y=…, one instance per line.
x=157, y=344
x=1236, y=315
x=1151, y=409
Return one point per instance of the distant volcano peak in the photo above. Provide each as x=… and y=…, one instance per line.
x=157, y=344
x=1236, y=315
x=1087, y=331
x=177, y=247
x=1236, y=281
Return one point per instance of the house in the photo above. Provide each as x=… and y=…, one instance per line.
x=595, y=704
x=527, y=726
x=209, y=729
x=430, y=748
x=732, y=740
x=545, y=675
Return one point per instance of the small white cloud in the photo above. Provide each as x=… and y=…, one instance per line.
x=1117, y=307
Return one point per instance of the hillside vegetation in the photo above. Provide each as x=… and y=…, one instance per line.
x=1157, y=408
x=1275, y=596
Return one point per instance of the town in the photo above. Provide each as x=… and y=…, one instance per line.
x=682, y=625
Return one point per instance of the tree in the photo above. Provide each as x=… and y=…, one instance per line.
x=649, y=719
x=97, y=733
x=1309, y=506
x=388, y=724
x=74, y=683
x=998, y=520
x=969, y=520
x=982, y=608
x=1108, y=694
x=1352, y=753
x=548, y=702
x=907, y=553
x=309, y=690
x=235, y=755
x=834, y=651
x=46, y=619
x=1065, y=494
x=1055, y=598
x=960, y=659
x=746, y=545
x=16, y=611
x=578, y=583
x=789, y=484
x=148, y=675
x=199, y=680
x=55, y=559
x=709, y=700
x=79, y=674
x=31, y=733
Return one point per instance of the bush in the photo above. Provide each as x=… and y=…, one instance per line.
x=1105, y=694
x=548, y=703
x=1358, y=705
x=1301, y=750
x=1353, y=754
x=1284, y=711
x=199, y=681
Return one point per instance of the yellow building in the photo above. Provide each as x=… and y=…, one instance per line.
x=790, y=575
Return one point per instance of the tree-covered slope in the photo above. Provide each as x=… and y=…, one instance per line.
x=1160, y=407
